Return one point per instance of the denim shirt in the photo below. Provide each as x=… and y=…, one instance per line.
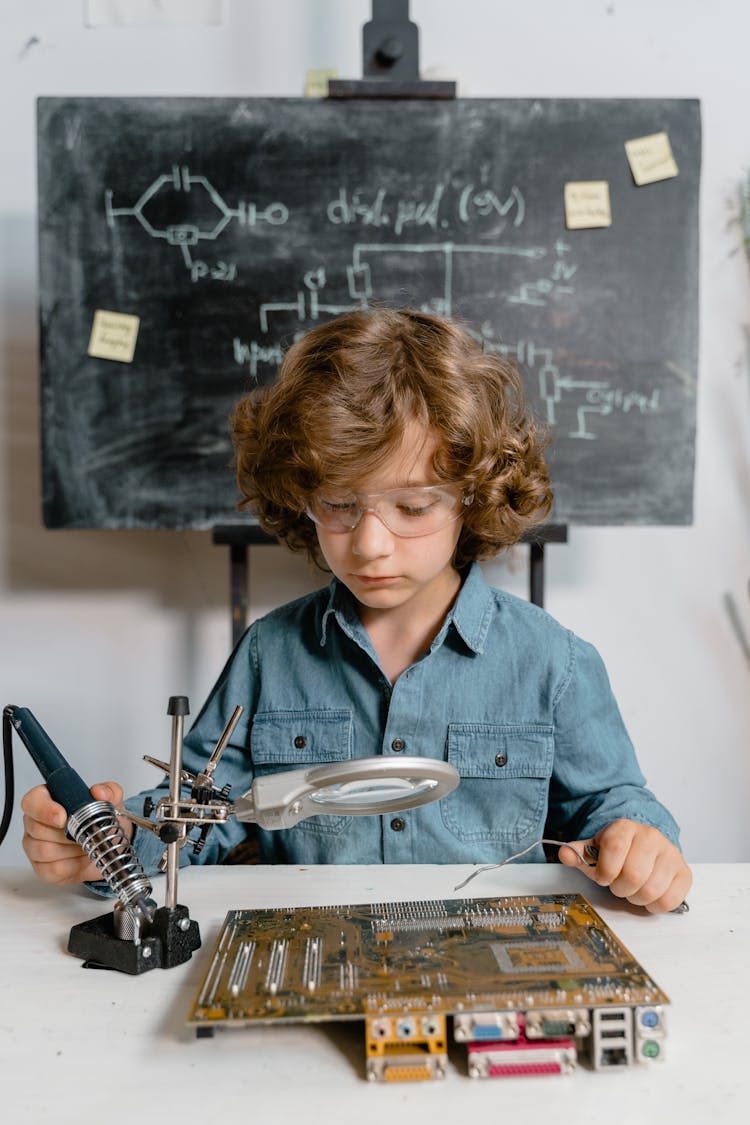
x=518, y=704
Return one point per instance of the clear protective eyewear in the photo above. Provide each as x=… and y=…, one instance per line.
x=406, y=512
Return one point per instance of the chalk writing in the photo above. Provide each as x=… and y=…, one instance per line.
x=208, y=216
x=555, y=284
x=252, y=355
x=349, y=208
x=485, y=202
x=420, y=213
x=373, y=208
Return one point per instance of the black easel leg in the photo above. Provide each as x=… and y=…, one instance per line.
x=238, y=583
x=536, y=573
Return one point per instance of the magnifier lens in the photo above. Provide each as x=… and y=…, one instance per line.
x=371, y=791
x=359, y=787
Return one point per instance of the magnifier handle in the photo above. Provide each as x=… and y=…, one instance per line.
x=274, y=801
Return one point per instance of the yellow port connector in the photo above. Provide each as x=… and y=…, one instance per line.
x=406, y=1073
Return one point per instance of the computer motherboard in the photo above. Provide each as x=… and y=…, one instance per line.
x=530, y=984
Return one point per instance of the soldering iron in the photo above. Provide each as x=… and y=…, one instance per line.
x=93, y=825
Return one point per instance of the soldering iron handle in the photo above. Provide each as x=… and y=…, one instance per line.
x=65, y=785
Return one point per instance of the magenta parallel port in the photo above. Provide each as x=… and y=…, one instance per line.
x=507, y=1059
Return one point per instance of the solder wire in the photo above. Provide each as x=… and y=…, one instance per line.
x=588, y=859
x=518, y=855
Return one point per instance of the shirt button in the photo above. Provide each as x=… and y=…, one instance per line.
x=398, y=745
x=397, y=824
x=300, y=742
x=501, y=759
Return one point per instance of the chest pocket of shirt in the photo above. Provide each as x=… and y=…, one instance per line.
x=505, y=770
x=290, y=740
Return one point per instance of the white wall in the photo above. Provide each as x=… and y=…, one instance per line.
x=97, y=629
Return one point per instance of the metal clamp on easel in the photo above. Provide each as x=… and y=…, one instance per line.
x=390, y=59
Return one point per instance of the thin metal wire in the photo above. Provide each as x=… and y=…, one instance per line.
x=589, y=858
x=518, y=855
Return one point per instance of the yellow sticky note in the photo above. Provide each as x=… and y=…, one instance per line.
x=113, y=336
x=316, y=83
x=587, y=204
x=651, y=158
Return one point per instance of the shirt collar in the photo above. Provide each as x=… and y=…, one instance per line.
x=472, y=610
x=470, y=615
x=341, y=606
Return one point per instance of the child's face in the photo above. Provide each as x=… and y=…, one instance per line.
x=385, y=571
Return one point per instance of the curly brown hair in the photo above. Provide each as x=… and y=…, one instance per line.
x=345, y=393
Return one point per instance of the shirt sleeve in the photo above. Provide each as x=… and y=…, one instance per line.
x=596, y=778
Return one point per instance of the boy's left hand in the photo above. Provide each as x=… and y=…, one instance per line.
x=637, y=863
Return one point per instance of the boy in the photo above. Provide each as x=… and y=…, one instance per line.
x=397, y=455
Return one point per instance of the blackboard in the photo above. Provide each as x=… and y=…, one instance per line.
x=230, y=226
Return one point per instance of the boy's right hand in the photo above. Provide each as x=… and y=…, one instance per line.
x=54, y=856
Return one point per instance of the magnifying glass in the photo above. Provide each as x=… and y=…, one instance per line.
x=357, y=787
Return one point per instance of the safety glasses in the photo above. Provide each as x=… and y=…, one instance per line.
x=406, y=512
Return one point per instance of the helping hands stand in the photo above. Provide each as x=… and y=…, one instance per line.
x=127, y=940
x=137, y=936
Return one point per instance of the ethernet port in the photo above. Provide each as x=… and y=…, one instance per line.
x=613, y=1056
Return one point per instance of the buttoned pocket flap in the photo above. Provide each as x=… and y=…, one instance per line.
x=500, y=750
x=300, y=738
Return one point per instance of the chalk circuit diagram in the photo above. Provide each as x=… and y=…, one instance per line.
x=183, y=210
x=207, y=205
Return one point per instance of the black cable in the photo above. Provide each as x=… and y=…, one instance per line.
x=8, y=767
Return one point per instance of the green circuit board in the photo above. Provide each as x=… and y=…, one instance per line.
x=447, y=957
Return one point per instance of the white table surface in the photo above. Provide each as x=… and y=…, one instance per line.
x=80, y=1045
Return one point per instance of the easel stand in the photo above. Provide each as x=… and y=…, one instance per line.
x=390, y=68
x=537, y=540
x=238, y=539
